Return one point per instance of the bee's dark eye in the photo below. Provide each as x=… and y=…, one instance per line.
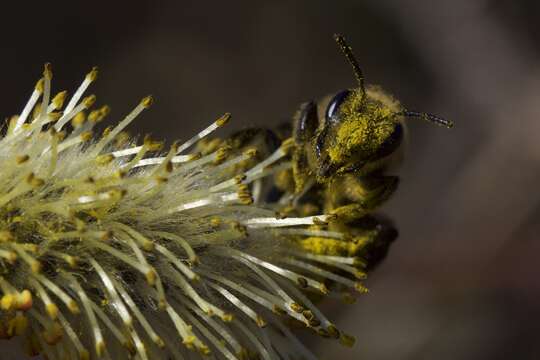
x=335, y=103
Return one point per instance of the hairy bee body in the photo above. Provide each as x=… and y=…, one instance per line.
x=345, y=144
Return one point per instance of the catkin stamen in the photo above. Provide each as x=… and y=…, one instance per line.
x=205, y=132
x=273, y=222
x=88, y=79
x=34, y=97
x=111, y=290
x=140, y=317
x=239, y=304
x=99, y=341
x=70, y=303
x=50, y=307
x=117, y=333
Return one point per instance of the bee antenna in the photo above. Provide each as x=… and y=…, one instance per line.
x=347, y=51
x=428, y=117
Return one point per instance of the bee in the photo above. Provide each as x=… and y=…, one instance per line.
x=356, y=131
x=344, y=145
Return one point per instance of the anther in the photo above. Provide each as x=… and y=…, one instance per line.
x=89, y=101
x=147, y=102
x=92, y=75
x=222, y=121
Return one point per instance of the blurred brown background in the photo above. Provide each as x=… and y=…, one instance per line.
x=462, y=280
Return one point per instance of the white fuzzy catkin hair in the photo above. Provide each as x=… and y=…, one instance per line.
x=108, y=250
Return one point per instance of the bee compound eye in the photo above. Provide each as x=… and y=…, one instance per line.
x=335, y=103
x=391, y=143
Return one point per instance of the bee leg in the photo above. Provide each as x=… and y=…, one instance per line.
x=369, y=191
x=347, y=213
x=305, y=124
x=377, y=248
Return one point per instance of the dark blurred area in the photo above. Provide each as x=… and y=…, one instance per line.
x=461, y=282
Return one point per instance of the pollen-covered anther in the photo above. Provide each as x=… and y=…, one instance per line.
x=89, y=101
x=78, y=120
x=104, y=159
x=161, y=180
x=122, y=139
x=39, y=85
x=204, y=350
x=103, y=112
x=244, y=195
x=147, y=101
x=120, y=174
x=152, y=145
x=241, y=229
x=35, y=265
x=216, y=222
x=322, y=332
x=92, y=75
x=361, y=288
x=260, y=322
x=52, y=310
x=360, y=275
x=347, y=340
x=223, y=120
x=7, y=301
x=98, y=115
x=54, y=116
x=227, y=317
x=333, y=331
x=238, y=179
x=106, y=235
x=151, y=277
x=169, y=166
x=194, y=156
x=221, y=154
x=287, y=144
x=61, y=135
x=297, y=308
x=34, y=181
x=58, y=100
x=324, y=289
x=250, y=153
x=86, y=136
x=21, y=159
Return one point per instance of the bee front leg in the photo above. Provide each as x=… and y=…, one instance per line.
x=370, y=191
x=351, y=197
x=376, y=249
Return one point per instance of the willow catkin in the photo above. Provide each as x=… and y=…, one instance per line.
x=113, y=249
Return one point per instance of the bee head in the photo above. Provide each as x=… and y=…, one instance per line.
x=361, y=125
